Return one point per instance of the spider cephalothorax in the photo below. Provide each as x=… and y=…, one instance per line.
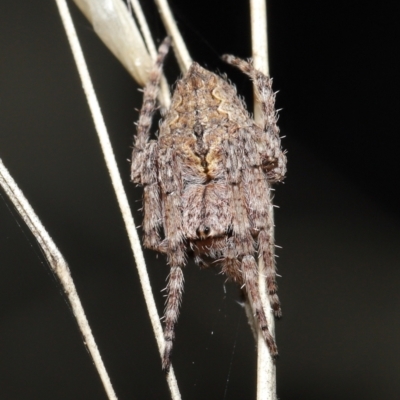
x=207, y=181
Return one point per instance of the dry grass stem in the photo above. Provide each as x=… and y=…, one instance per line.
x=266, y=370
x=60, y=268
x=259, y=41
x=164, y=94
x=117, y=185
x=179, y=46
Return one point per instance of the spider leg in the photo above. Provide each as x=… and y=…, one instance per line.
x=265, y=246
x=171, y=195
x=230, y=262
x=171, y=313
x=150, y=93
x=273, y=162
x=259, y=205
x=235, y=164
x=144, y=155
x=152, y=219
x=241, y=177
x=274, y=159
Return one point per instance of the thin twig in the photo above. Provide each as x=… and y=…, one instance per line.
x=259, y=39
x=180, y=49
x=164, y=94
x=117, y=185
x=266, y=371
x=144, y=27
x=60, y=268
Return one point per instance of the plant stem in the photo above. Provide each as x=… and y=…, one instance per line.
x=117, y=185
x=179, y=46
x=60, y=268
x=164, y=95
x=266, y=370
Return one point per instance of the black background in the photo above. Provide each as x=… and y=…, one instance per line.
x=336, y=67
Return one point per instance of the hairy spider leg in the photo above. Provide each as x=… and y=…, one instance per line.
x=274, y=159
x=265, y=245
x=259, y=205
x=144, y=169
x=236, y=167
x=150, y=93
x=171, y=194
x=171, y=313
x=257, y=185
x=152, y=218
x=145, y=161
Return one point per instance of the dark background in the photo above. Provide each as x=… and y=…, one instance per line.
x=336, y=68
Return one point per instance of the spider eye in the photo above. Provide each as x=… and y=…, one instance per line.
x=206, y=230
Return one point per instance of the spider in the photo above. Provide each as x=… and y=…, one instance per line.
x=207, y=182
